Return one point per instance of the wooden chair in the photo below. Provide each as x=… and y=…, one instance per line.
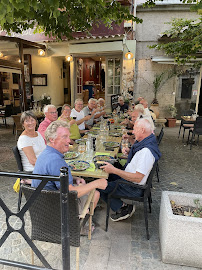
x=144, y=198
x=17, y=125
x=46, y=217
x=185, y=124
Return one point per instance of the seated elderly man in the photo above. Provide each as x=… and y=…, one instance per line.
x=51, y=115
x=101, y=103
x=122, y=106
x=146, y=109
x=91, y=109
x=51, y=160
x=140, y=161
x=77, y=112
x=145, y=114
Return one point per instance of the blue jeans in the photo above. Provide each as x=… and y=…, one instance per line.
x=122, y=190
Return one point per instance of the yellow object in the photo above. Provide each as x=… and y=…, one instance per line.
x=74, y=131
x=91, y=168
x=102, y=154
x=16, y=186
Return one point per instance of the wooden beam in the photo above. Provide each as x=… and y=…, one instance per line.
x=23, y=96
x=26, y=43
x=10, y=64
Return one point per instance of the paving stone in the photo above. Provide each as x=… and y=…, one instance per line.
x=124, y=246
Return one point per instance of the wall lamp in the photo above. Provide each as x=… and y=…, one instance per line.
x=129, y=55
x=1, y=54
x=41, y=52
x=68, y=58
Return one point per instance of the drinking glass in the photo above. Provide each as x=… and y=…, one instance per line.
x=124, y=145
x=81, y=149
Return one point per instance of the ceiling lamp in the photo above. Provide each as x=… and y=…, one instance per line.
x=1, y=54
x=41, y=52
x=68, y=58
x=129, y=55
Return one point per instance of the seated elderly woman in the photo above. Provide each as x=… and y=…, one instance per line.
x=30, y=143
x=74, y=129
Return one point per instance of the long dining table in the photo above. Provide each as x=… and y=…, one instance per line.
x=93, y=172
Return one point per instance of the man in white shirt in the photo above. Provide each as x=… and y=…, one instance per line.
x=79, y=114
x=140, y=161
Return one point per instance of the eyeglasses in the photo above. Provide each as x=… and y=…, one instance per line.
x=53, y=112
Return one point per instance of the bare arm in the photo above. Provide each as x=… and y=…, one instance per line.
x=29, y=152
x=84, y=189
x=131, y=177
x=86, y=118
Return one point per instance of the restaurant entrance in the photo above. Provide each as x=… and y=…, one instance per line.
x=98, y=77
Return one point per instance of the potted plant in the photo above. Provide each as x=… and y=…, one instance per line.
x=171, y=122
x=180, y=235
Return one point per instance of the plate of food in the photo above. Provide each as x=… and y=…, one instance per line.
x=79, y=165
x=71, y=155
x=93, y=132
x=98, y=160
x=81, y=141
x=111, y=144
x=115, y=134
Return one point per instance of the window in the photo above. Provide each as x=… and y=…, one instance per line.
x=114, y=76
x=187, y=88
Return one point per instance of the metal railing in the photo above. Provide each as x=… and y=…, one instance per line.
x=65, y=241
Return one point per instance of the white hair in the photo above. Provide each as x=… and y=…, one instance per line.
x=140, y=108
x=78, y=100
x=101, y=99
x=92, y=100
x=47, y=107
x=144, y=123
x=51, y=131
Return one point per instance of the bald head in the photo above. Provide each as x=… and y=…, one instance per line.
x=144, y=103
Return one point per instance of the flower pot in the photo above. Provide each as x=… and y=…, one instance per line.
x=155, y=109
x=180, y=236
x=171, y=122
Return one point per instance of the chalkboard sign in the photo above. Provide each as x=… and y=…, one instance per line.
x=114, y=101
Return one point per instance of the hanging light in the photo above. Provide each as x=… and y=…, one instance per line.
x=41, y=52
x=1, y=54
x=129, y=55
x=68, y=58
x=19, y=60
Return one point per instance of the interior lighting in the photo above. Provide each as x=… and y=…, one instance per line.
x=1, y=54
x=129, y=55
x=68, y=58
x=41, y=52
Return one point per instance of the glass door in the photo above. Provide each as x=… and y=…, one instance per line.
x=113, y=80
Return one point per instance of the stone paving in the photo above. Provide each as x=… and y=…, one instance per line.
x=124, y=246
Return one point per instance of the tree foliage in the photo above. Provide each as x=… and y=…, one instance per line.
x=185, y=40
x=60, y=17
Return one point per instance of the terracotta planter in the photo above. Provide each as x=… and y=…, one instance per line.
x=171, y=122
x=155, y=109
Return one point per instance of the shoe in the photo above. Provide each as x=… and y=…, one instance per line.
x=132, y=209
x=125, y=212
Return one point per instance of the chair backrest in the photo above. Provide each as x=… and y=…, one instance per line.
x=198, y=125
x=18, y=158
x=45, y=216
x=160, y=136
x=188, y=113
x=149, y=179
x=8, y=110
x=16, y=119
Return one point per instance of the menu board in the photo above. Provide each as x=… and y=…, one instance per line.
x=114, y=101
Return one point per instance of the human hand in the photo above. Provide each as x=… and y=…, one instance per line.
x=108, y=168
x=101, y=183
x=88, y=117
x=125, y=136
x=125, y=150
x=72, y=122
x=80, y=181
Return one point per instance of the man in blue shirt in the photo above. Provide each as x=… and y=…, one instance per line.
x=51, y=160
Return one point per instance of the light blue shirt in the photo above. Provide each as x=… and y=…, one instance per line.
x=49, y=162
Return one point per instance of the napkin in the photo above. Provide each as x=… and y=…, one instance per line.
x=102, y=153
x=91, y=168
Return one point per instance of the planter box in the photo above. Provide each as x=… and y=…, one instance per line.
x=171, y=122
x=180, y=236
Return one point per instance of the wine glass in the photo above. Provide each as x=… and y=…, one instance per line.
x=124, y=145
